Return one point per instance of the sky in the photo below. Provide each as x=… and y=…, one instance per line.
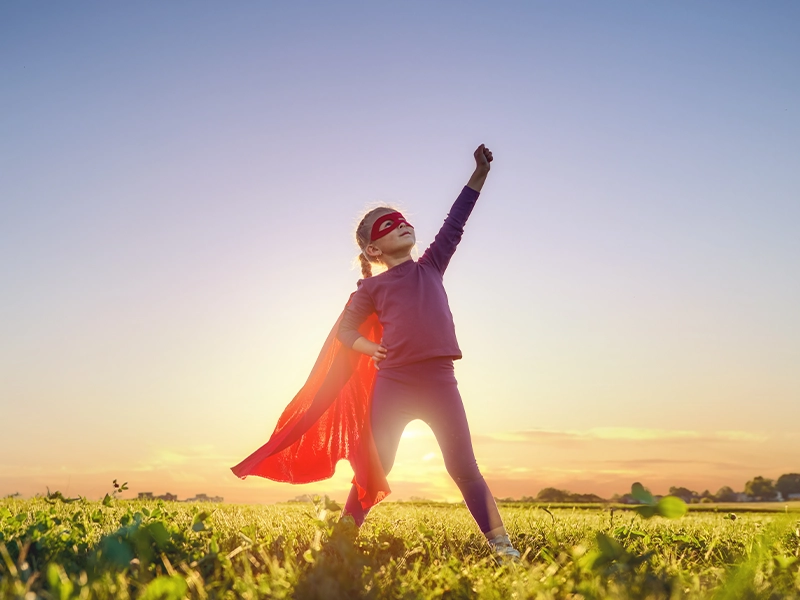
x=180, y=184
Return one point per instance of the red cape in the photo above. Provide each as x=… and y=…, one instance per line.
x=326, y=421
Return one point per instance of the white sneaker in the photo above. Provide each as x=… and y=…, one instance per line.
x=503, y=550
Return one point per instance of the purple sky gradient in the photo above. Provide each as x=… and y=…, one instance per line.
x=179, y=185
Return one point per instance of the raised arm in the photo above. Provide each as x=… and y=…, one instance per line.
x=444, y=244
x=483, y=156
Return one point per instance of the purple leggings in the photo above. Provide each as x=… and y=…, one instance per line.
x=428, y=390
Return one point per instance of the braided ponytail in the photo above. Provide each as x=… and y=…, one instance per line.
x=366, y=266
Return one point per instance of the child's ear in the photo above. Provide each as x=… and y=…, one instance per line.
x=373, y=251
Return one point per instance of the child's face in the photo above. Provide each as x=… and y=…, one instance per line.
x=392, y=235
x=386, y=223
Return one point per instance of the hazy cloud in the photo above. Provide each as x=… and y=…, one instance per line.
x=633, y=434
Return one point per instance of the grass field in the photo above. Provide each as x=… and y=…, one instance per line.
x=157, y=550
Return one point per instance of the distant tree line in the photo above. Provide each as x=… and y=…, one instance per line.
x=551, y=494
x=758, y=489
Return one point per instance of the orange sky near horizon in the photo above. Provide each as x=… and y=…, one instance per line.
x=516, y=464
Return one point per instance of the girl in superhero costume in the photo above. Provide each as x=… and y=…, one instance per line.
x=387, y=361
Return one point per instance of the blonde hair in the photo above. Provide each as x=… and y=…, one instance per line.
x=363, y=235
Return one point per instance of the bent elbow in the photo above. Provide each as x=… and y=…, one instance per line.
x=347, y=335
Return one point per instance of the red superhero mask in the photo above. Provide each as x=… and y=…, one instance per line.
x=380, y=229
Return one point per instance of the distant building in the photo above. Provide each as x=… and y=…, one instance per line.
x=624, y=499
x=205, y=498
x=174, y=497
x=303, y=498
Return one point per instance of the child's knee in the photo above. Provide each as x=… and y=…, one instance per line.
x=465, y=474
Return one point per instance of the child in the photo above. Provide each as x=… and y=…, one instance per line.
x=347, y=410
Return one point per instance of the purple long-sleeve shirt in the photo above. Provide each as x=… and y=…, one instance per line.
x=410, y=299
